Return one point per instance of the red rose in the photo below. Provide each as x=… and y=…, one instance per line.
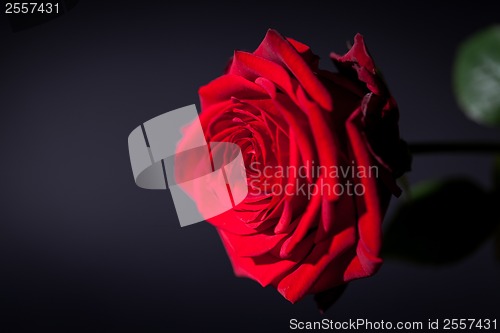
x=289, y=116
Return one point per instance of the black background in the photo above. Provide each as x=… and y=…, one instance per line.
x=84, y=249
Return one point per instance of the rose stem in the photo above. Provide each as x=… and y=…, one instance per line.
x=454, y=147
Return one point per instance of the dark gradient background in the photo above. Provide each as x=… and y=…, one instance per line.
x=82, y=249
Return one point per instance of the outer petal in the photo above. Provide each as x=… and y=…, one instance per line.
x=227, y=86
x=309, y=57
x=358, y=59
x=276, y=48
x=380, y=111
x=251, y=245
x=265, y=269
x=370, y=208
x=299, y=283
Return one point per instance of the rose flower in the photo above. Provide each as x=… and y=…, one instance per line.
x=321, y=150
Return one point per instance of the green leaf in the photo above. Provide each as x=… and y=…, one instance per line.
x=442, y=223
x=477, y=76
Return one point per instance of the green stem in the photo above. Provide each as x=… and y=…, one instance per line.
x=454, y=147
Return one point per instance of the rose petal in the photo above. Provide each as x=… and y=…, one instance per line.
x=276, y=48
x=298, y=283
x=326, y=142
x=306, y=53
x=306, y=222
x=251, y=245
x=369, y=205
x=265, y=269
x=223, y=88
